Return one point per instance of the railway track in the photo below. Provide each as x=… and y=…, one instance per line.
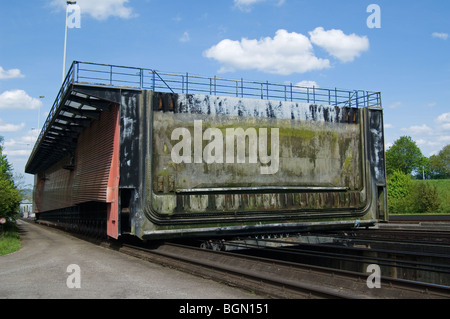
x=327, y=265
x=281, y=279
x=419, y=257
x=439, y=218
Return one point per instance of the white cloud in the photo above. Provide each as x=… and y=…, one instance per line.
x=22, y=146
x=17, y=153
x=444, y=121
x=303, y=86
x=10, y=74
x=307, y=84
x=8, y=128
x=418, y=129
x=285, y=54
x=101, y=9
x=388, y=125
x=431, y=139
x=18, y=99
x=440, y=35
x=344, y=47
x=443, y=118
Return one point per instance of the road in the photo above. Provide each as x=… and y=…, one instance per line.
x=40, y=271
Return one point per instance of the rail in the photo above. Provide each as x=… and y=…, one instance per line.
x=139, y=78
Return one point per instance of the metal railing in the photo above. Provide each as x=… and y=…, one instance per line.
x=138, y=78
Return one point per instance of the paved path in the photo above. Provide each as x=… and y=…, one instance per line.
x=39, y=270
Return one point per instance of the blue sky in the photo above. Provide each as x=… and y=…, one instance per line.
x=325, y=43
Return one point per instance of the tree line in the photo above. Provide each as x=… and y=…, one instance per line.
x=404, y=163
x=405, y=156
x=10, y=195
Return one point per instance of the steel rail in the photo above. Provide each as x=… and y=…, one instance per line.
x=316, y=252
x=294, y=278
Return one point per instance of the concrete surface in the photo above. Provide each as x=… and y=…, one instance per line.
x=39, y=271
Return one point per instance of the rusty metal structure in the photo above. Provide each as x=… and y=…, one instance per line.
x=161, y=155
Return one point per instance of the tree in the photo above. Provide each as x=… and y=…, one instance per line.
x=10, y=196
x=440, y=164
x=404, y=156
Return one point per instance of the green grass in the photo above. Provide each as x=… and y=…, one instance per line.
x=9, y=240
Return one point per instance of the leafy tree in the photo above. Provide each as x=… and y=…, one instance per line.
x=10, y=196
x=440, y=164
x=404, y=156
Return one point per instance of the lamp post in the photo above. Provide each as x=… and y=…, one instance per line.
x=65, y=42
x=39, y=112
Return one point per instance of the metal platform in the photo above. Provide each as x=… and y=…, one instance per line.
x=90, y=88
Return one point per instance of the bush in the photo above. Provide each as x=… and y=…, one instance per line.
x=407, y=197
x=400, y=187
x=426, y=198
x=9, y=199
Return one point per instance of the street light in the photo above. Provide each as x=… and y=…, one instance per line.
x=39, y=112
x=65, y=42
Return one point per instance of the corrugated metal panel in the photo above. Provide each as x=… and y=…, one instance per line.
x=93, y=159
x=53, y=188
x=58, y=188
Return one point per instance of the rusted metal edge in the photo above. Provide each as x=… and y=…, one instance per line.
x=220, y=190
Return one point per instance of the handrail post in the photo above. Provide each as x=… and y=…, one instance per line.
x=153, y=80
x=349, y=99
x=314, y=94
x=335, y=96
x=291, y=91
x=75, y=65
x=187, y=83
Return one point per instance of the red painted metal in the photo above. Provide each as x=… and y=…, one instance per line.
x=112, y=197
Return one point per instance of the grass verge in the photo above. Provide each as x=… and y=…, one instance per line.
x=9, y=239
